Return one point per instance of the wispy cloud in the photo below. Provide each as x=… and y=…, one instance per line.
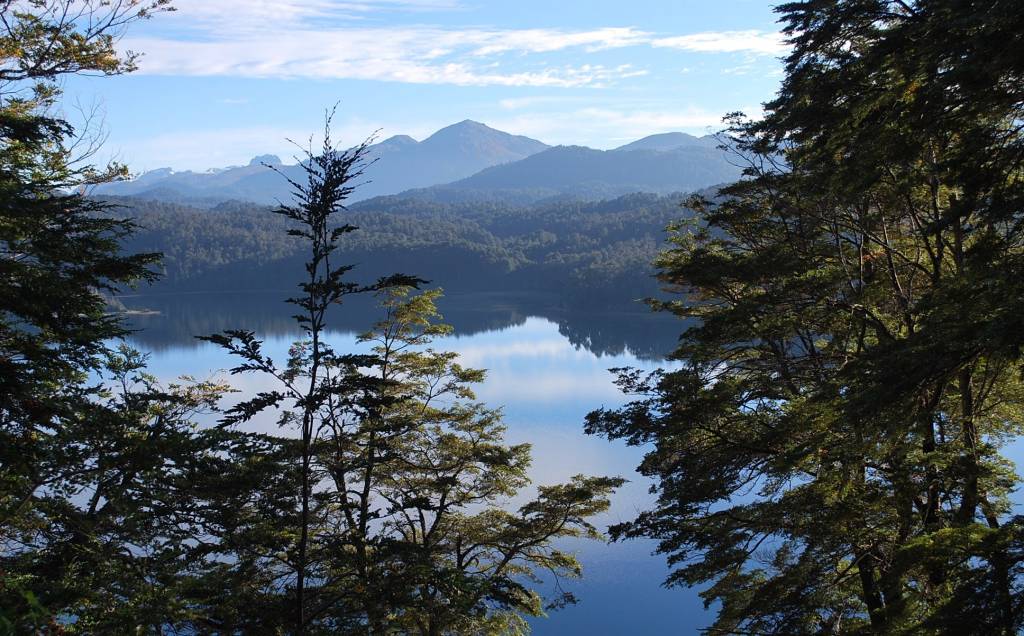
x=417, y=55
x=613, y=125
x=752, y=42
x=395, y=56
x=548, y=40
x=329, y=39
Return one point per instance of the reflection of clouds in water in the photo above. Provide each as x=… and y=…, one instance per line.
x=531, y=339
x=486, y=355
x=530, y=366
x=533, y=362
x=549, y=386
x=545, y=386
x=561, y=451
x=543, y=383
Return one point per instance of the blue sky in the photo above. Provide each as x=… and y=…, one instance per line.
x=224, y=80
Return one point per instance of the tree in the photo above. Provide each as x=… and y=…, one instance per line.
x=113, y=542
x=828, y=455
x=307, y=382
x=58, y=253
x=428, y=547
x=385, y=517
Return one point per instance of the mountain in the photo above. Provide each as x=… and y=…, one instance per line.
x=403, y=163
x=451, y=153
x=468, y=161
x=671, y=141
x=661, y=164
x=252, y=182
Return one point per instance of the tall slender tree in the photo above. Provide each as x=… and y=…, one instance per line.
x=393, y=521
x=306, y=382
x=828, y=456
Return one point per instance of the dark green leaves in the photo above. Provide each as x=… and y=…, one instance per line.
x=848, y=381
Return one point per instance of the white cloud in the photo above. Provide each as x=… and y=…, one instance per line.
x=547, y=40
x=753, y=41
x=235, y=16
x=416, y=55
x=742, y=69
x=326, y=39
x=615, y=125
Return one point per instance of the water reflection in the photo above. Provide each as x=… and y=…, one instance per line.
x=175, y=319
x=546, y=368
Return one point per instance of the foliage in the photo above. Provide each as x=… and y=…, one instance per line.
x=445, y=556
x=115, y=541
x=828, y=456
x=589, y=253
x=70, y=456
x=388, y=513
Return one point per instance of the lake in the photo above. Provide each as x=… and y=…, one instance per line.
x=547, y=368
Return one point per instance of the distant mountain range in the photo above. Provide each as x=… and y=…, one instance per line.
x=468, y=161
x=575, y=172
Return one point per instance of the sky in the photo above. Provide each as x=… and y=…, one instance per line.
x=221, y=81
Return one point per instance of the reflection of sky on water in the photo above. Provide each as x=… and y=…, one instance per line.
x=545, y=386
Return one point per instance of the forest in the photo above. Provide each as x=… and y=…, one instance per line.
x=828, y=447
x=595, y=254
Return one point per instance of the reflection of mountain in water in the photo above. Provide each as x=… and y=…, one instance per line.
x=179, y=318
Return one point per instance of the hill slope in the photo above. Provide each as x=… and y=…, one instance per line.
x=584, y=252
x=575, y=172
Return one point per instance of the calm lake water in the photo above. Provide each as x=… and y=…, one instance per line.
x=547, y=368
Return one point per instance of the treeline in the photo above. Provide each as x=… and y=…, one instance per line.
x=159, y=321
x=590, y=253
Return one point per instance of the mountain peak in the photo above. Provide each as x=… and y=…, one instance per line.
x=464, y=128
x=470, y=123
x=470, y=137
x=398, y=140
x=668, y=141
x=270, y=160
x=150, y=175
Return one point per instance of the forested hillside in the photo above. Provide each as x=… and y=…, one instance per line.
x=591, y=253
